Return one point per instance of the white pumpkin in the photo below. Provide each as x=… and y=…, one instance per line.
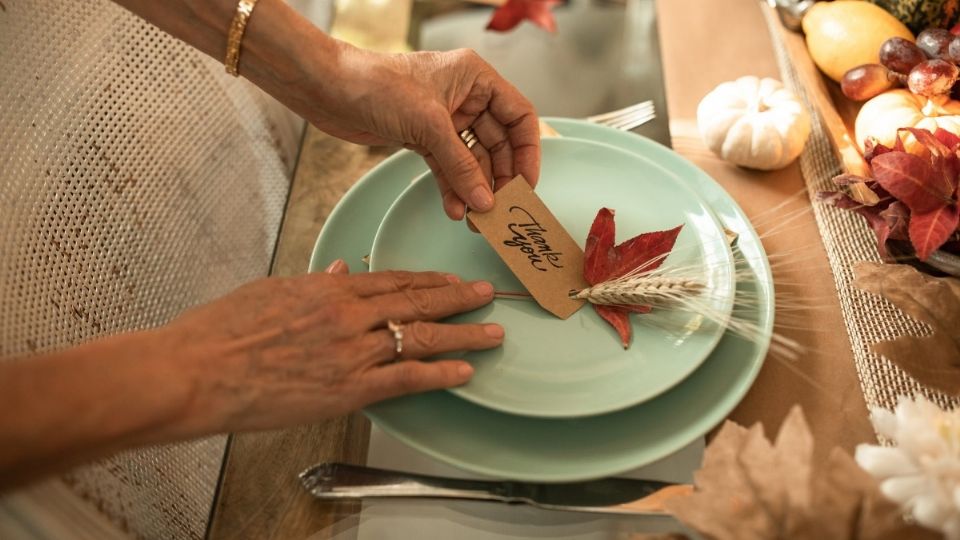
x=753, y=122
x=883, y=115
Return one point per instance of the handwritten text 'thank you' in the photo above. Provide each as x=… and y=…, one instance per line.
x=529, y=238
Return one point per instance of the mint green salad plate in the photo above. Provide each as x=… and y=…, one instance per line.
x=492, y=443
x=554, y=368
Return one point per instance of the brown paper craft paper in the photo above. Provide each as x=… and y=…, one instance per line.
x=538, y=250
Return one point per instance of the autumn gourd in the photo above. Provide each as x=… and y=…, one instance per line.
x=882, y=116
x=753, y=122
x=925, y=14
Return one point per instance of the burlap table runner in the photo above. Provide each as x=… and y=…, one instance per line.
x=847, y=239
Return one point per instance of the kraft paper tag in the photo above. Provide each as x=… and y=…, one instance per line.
x=538, y=250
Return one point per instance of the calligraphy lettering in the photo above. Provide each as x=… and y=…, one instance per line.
x=528, y=237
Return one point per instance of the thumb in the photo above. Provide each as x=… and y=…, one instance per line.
x=459, y=166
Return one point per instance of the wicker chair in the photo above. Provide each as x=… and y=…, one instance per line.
x=137, y=179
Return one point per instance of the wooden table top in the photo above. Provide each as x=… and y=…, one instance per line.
x=260, y=496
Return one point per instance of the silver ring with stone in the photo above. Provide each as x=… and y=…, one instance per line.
x=468, y=137
x=397, y=328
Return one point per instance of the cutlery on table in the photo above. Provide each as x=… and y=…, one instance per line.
x=337, y=481
x=623, y=119
x=626, y=118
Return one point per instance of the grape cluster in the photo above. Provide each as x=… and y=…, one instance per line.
x=928, y=67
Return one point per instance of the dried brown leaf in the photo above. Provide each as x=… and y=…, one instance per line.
x=732, y=510
x=749, y=488
x=932, y=360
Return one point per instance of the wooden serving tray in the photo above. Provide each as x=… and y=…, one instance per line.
x=839, y=114
x=837, y=111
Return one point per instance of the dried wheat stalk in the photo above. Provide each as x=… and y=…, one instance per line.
x=648, y=290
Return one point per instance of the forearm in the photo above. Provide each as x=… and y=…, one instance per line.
x=67, y=408
x=281, y=52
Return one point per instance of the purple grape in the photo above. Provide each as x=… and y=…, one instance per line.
x=901, y=55
x=933, y=78
x=934, y=42
x=953, y=51
x=863, y=82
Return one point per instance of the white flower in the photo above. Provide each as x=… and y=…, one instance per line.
x=922, y=472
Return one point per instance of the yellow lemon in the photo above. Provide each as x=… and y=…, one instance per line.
x=847, y=33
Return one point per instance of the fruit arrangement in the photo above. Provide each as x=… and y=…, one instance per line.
x=843, y=35
x=908, y=129
x=928, y=67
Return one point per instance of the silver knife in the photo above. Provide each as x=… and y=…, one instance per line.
x=336, y=481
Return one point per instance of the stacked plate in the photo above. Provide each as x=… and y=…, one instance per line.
x=562, y=400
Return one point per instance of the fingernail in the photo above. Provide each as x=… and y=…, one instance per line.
x=465, y=370
x=493, y=330
x=334, y=266
x=481, y=198
x=483, y=288
x=452, y=278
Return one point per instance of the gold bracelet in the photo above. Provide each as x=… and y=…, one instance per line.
x=235, y=36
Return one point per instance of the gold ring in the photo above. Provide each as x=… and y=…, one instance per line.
x=397, y=328
x=468, y=137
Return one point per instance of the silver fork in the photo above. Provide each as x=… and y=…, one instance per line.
x=626, y=118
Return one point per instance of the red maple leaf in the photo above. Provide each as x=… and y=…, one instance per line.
x=513, y=12
x=603, y=261
x=918, y=191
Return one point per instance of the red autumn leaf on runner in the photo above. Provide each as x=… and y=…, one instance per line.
x=603, y=262
x=513, y=12
x=896, y=219
x=948, y=138
x=930, y=230
x=870, y=213
x=909, y=178
x=918, y=191
x=872, y=149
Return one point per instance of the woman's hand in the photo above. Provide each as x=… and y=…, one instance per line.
x=423, y=100
x=420, y=100
x=284, y=351
x=274, y=353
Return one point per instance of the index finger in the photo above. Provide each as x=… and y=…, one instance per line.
x=516, y=113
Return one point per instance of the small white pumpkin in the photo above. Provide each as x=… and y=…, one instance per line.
x=883, y=115
x=753, y=122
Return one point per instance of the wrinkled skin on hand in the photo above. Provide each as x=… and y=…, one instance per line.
x=284, y=351
x=423, y=100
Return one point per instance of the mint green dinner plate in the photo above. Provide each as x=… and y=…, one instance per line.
x=554, y=368
x=492, y=443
